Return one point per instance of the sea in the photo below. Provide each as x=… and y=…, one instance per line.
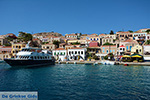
x=79, y=81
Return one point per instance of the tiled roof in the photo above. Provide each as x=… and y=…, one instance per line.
x=122, y=46
x=101, y=34
x=60, y=49
x=76, y=48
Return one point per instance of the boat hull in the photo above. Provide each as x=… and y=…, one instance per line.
x=28, y=63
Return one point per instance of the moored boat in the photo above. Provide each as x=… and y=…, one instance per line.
x=29, y=57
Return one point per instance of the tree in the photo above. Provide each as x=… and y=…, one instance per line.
x=56, y=43
x=25, y=36
x=107, y=43
x=130, y=31
x=147, y=42
x=148, y=31
x=111, y=32
x=75, y=43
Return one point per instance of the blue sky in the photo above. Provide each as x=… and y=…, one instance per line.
x=72, y=16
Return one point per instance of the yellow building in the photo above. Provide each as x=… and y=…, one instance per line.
x=16, y=47
x=137, y=49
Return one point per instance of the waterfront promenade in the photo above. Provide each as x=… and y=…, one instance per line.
x=99, y=62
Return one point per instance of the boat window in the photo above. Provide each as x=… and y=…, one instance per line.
x=31, y=57
x=38, y=57
x=34, y=57
x=41, y=57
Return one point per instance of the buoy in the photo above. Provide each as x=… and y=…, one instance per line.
x=125, y=64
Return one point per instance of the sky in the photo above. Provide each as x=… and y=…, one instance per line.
x=73, y=16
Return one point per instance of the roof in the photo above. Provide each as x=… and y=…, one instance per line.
x=77, y=48
x=122, y=46
x=124, y=32
x=62, y=43
x=128, y=40
x=60, y=49
x=101, y=34
x=71, y=34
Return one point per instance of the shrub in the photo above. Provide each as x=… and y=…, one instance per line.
x=106, y=57
x=140, y=60
x=124, y=60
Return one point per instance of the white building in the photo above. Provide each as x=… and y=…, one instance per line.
x=146, y=51
x=77, y=53
x=60, y=54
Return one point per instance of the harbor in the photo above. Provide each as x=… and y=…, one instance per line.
x=79, y=81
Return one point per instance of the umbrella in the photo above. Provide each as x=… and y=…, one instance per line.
x=136, y=56
x=126, y=56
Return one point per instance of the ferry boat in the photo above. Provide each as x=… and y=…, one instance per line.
x=29, y=57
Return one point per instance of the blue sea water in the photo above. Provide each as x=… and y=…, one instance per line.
x=79, y=82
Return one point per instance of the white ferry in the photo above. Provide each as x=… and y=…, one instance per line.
x=29, y=57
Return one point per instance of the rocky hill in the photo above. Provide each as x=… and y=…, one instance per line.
x=48, y=34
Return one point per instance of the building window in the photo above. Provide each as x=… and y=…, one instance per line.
x=78, y=52
x=110, y=50
x=103, y=51
x=103, y=47
x=81, y=52
x=97, y=38
x=127, y=47
x=54, y=53
x=120, y=48
x=75, y=52
x=72, y=52
x=113, y=50
x=107, y=51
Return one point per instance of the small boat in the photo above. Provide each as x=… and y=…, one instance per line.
x=107, y=62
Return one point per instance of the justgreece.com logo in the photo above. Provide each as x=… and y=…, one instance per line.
x=18, y=96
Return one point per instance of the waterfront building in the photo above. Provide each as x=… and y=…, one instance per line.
x=5, y=52
x=49, y=46
x=16, y=47
x=124, y=35
x=76, y=40
x=128, y=43
x=104, y=50
x=3, y=41
x=93, y=48
x=121, y=50
x=137, y=49
x=71, y=36
x=69, y=46
x=107, y=40
x=45, y=39
x=148, y=36
x=95, y=38
x=77, y=53
x=111, y=36
x=62, y=45
x=60, y=54
x=146, y=52
x=102, y=35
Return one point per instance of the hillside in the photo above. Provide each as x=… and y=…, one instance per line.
x=48, y=34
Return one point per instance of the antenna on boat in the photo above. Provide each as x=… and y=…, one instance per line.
x=27, y=45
